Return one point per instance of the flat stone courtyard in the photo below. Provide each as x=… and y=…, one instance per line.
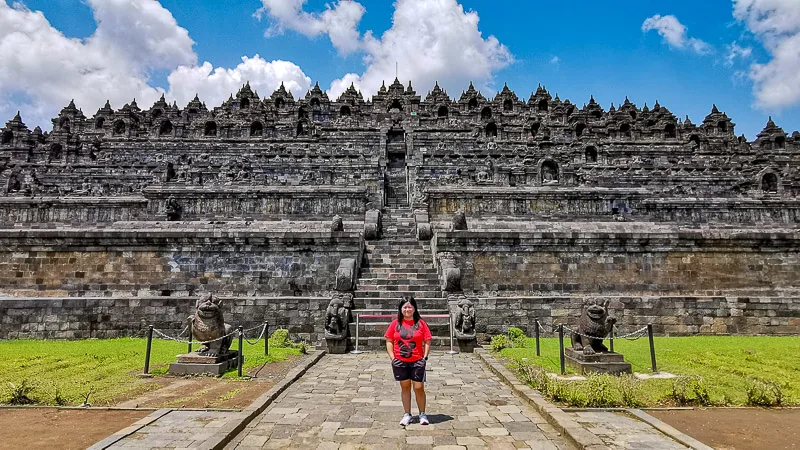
x=352, y=402
x=349, y=401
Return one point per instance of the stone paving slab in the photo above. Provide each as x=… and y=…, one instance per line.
x=618, y=430
x=352, y=401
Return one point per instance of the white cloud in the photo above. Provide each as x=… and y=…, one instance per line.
x=215, y=85
x=555, y=60
x=675, y=34
x=339, y=22
x=736, y=51
x=430, y=40
x=133, y=37
x=777, y=24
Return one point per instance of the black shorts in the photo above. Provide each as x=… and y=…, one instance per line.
x=415, y=371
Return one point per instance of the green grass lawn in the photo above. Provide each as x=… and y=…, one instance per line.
x=64, y=372
x=724, y=367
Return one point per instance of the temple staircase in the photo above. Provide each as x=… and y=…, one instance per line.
x=398, y=265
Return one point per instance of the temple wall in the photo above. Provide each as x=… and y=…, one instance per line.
x=90, y=317
x=172, y=262
x=485, y=204
x=623, y=259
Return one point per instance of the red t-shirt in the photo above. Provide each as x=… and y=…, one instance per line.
x=408, y=340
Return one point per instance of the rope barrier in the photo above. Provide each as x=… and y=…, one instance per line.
x=263, y=330
x=163, y=335
x=632, y=336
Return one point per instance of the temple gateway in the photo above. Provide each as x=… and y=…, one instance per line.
x=528, y=208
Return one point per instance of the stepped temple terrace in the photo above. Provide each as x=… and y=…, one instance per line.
x=525, y=207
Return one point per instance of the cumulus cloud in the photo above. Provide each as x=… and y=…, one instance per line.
x=675, y=34
x=776, y=23
x=339, y=21
x=215, y=85
x=133, y=37
x=430, y=40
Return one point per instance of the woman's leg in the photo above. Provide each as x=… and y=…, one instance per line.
x=419, y=393
x=405, y=395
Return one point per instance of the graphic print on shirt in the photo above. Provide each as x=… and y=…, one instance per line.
x=405, y=344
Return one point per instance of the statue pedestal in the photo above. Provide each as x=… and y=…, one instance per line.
x=611, y=363
x=336, y=346
x=195, y=364
x=467, y=345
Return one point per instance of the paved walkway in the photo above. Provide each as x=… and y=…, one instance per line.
x=352, y=401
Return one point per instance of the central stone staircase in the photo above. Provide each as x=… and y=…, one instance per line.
x=395, y=266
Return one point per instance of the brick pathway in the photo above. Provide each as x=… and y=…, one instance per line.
x=352, y=401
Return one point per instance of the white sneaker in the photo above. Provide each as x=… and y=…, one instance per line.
x=423, y=419
x=406, y=420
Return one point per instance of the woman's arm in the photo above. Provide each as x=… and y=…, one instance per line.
x=426, y=348
x=390, y=348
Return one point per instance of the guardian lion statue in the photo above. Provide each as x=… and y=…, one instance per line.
x=208, y=325
x=596, y=324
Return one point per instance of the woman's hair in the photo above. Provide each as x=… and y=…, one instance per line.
x=403, y=301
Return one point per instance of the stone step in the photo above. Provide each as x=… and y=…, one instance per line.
x=398, y=276
x=394, y=294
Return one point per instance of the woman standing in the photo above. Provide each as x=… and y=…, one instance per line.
x=408, y=342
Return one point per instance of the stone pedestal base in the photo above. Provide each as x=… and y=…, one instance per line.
x=611, y=363
x=336, y=346
x=195, y=364
x=467, y=345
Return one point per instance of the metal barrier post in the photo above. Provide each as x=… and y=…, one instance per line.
x=147, y=352
x=652, y=347
x=561, y=348
x=266, y=338
x=452, y=327
x=239, y=356
x=611, y=338
x=191, y=321
x=356, y=351
x=536, y=334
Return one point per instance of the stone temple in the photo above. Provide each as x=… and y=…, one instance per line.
x=530, y=207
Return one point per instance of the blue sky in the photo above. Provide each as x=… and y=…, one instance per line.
x=576, y=49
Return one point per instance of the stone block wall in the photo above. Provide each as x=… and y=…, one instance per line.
x=91, y=317
x=592, y=204
x=619, y=259
x=172, y=262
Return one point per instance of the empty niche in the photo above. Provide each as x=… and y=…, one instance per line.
x=694, y=141
x=8, y=137
x=98, y=124
x=165, y=129
x=508, y=105
x=780, y=142
x=769, y=183
x=625, y=130
x=256, y=129
x=486, y=113
x=542, y=106
x=591, y=154
x=119, y=127
x=279, y=103
x=244, y=103
x=722, y=126
x=549, y=172
x=473, y=103
x=396, y=104
x=315, y=102
x=344, y=111
x=670, y=131
x=579, y=129
x=491, y=130
x=210, y=129
x=535, y=129
x=442, y=111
